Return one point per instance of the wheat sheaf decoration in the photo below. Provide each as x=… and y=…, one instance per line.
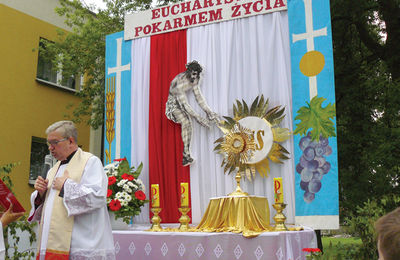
x=238, y=131
x=110, y=113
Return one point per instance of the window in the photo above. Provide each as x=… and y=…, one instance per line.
x=47, y=74
x=39, y=153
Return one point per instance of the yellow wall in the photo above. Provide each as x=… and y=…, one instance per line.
x=27, y=107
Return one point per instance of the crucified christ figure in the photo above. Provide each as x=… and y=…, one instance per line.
x=179, y=110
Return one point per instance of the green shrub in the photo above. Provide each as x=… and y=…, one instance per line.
x=10, y=232
x=341, y=248
x=361, y=224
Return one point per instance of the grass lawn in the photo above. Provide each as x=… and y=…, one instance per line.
x=328, y=241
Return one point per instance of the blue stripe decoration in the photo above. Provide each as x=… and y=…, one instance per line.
x=118, y=70
x=316, y=174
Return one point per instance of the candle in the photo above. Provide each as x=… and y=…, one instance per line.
x=155, y=196
x=278, y=190
x=184, y=194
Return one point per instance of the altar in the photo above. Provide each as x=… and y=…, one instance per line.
x=142, y=245
x=252, y=110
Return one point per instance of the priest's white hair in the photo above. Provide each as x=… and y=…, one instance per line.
x=65, y=128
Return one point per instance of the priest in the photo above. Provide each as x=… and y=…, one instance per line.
x=70, y=203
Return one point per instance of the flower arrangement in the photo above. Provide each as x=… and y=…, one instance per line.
x=126, y=193
x=315, y=253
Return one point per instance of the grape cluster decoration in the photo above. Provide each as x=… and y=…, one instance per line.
x=314, y=144
x=313, y=165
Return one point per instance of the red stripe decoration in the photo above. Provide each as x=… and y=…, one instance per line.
x=55, y=255
x=167, y=59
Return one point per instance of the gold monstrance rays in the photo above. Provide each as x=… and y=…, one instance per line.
x=237, y=145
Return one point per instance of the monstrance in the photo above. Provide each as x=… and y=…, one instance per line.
x=251, y=139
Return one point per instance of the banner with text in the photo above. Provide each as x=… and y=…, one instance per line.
x=194, y=13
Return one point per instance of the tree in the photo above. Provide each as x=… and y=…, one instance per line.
x=367, y=75
x=82, y=51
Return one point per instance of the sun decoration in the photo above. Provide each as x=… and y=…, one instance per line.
x=252, y=137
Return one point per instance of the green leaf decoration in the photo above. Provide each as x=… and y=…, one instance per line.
x=235, y=111
x=245, y=108
x=239, y=107
x=224, y=126
x=275, y=115
x=226, y=168
x=231, y=122
x=124, y=167
x=223, y=163
x=138, y=170
x=254, y=106
x=315, y=117
x=217, y=148
x=261, y=107
x=219, y=140
x=233, y=167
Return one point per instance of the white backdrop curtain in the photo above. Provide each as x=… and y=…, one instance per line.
x=242, y=59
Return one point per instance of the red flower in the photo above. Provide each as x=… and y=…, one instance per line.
x=109, y=193
x=121, y=159
x=111, y=180
x=140, y=195
x=127, y=177
x=114, y=205
x=310, y=250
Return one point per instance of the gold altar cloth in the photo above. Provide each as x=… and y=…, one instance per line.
x=248, y=215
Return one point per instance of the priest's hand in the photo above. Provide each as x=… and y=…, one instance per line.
x=59, y=181
x=41, y=185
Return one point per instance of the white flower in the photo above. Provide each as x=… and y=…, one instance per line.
x=128, y=198
x=111, y=168
x=141, y=184
x=121, y=182
x=126, y=188
x=130, y=184
x=108, y=200
x=119, y=195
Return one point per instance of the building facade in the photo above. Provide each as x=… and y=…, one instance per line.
x=32, y=95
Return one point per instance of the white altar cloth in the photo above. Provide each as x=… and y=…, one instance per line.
x=142, y=245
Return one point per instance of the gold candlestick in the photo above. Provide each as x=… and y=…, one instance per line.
x=155, y=220
x=279, y=217
x=184, y=219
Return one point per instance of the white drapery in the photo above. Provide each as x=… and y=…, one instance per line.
x=242, y=59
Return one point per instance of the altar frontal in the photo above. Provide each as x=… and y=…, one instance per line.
x=275, y=49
